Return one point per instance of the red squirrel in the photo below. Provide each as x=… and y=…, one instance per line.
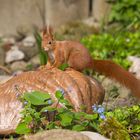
x=78, y=57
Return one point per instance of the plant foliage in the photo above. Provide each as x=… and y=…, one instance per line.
x=42, y=53
x=42, y=113
x=126, y=12
x=116, y=47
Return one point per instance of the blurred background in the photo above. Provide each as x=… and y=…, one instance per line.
x=110, y=29
x=16, y=15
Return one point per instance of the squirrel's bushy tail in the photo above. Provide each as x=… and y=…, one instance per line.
x=116, y=72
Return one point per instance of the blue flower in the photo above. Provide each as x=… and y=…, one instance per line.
x=102, y=116
x=49, y=101
x=62, y=91
x=94, y=108
x=46, y=110
x=100, y=110
x=25, y=103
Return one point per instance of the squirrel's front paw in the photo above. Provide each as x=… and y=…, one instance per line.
x=45, y=67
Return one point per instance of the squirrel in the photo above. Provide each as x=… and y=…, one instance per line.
x=78, y=57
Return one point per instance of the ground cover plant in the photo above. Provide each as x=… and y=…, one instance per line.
x=126, y=12
x=115, y=47
x=39, y=114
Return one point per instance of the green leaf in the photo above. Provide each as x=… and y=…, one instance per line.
x=59, y=95
x=63, y=66
x=78, y=127
x=136, y=108
x=85, y=123
x=48, y=108
x=79, y=115
x=94, y=125
x=66, y=103
x=22, y=128
x=91, y=116
x=66, y=119
x=42, y=54
x=61, y=110
x=28, y=119
x=52, y=125
x=36, y=97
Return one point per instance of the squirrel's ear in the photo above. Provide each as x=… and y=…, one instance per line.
x=49, y=30
x=44, y=31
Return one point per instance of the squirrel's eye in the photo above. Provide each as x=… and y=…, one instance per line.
x=49, y=42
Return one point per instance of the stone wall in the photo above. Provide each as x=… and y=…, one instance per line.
x=59, y=12
x=100, y=9
x=25, y=14
x=18, y=14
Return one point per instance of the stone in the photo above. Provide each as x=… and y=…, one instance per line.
x=135, y=67
x=2, y=56
x=29, y=51
x=26, y=29
x=35, y=60
x=14, y=54
x=60, y=12
x=18, y=65
x=63, y=134
x=29, y=41
x=92, y=23
x=29, y=47
x=8, y=40
x=94, y=136
x=4, y=78
x=15, y=73
x=58, y=134
x=115, y=93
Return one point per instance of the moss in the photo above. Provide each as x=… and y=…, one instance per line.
x=112, y=129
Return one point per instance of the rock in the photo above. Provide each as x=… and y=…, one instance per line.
x=92, y=23
x=114, y=89
x=29, y=47
x=29, y=51
x=58, y=134
x=18, y=65
x=2, y=56
x=115, y=93
x=35, y=60
x=15, y=73
x=29, y=41
x=14, y=54
x=4, y=78
x=94, y=136
x=62, y=134
x=135, y=67
x=26, y=29
x=8, y=40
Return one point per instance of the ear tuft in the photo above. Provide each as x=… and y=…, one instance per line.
x=44, y=31
x=49, y=30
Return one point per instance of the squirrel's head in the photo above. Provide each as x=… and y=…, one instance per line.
x=48, y=41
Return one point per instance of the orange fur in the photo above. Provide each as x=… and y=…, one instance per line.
x=78, y=57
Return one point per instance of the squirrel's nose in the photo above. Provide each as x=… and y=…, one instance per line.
x=46, y=49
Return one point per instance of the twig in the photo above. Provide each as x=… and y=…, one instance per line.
x=5, y=69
